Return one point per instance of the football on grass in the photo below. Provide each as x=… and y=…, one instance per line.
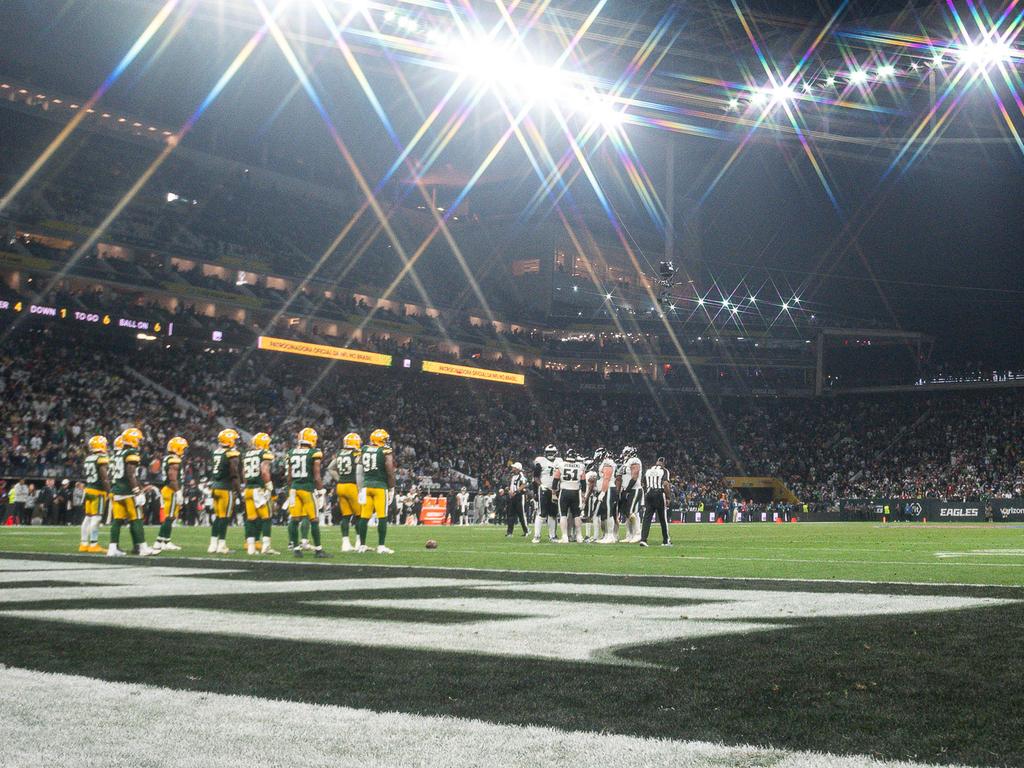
x=431, y=544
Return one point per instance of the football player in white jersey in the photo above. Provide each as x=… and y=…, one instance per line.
x=589, y=514
x=630, y=478
x=607, y=497
x=568, y=474
x=544, y=480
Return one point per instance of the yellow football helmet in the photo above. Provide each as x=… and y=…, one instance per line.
x=177, y=446
x=227, y=438
x=132, y=437
x=119, y=442
x=379, y=438
x=261, y=440
x=308, y=436
x=98, y=444
x=352, y=441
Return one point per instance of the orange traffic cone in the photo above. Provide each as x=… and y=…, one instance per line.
x=792, y=519
x=719, y=521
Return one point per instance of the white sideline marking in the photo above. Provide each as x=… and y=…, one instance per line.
x=563, y=629
x=66, y=720
x=985, y=553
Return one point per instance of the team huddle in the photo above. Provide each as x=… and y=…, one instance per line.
x=590, y=499
x=363, y=475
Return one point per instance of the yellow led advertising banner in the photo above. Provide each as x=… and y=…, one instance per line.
x=321, y=350
x=465, y=371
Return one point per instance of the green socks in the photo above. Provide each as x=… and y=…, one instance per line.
x=293, y=533
x=138, y=532
x=345, y=522
x=382, y=530
x=268, y=527
x=115, y=532
x=165, y=529
x=314, y=528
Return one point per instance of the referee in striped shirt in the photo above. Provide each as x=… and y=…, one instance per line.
x=656, y=491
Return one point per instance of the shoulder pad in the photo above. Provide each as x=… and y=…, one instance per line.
x=318, y=454
x=231, y=453
x=132, y=457
x=102, y=460
x=267, y=456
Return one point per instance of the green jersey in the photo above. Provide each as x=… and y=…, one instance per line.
x=119, y=475
x=375, y=474
x=220, y=468
x=300, y=463
x=345, y=465
x=171, y=460
x=252, y=465
x=93, y=462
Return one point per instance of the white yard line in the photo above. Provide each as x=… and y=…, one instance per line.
x=53, y=721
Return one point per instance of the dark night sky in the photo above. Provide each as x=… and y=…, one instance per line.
x=942, y=239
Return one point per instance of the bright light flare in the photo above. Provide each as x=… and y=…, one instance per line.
x=887, y=71
x=985, y=54
x=858, y=77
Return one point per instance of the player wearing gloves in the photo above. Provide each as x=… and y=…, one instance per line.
x=129, y=495
x=347, y=471
x=227, y=489
x=171, y=494
x=307, y=495
x=259, y=493
x=379, y=487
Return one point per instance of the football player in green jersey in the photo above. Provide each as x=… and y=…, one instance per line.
x=259, y=492
x=379, y=484
x=227, y=487
x=171, y=494
x=97, y=493
x=307, y=494
x=347, y=471
x=129, y=495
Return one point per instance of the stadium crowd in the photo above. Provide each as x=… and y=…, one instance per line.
x=450, y=432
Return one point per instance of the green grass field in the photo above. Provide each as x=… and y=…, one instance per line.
x=932, y=553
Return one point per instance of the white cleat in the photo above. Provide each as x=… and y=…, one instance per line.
x=579, y=539
x=147, y=551
x=563, y=540
x=536, y=540
x=169, y=546
x=222, y=548
x=382, y=550
x=113, y=551
x=250, y=550
x=212, y=549
x=269, y=551
x=346, y=545
x=306, y=546
x=361, y=549
x=157, y=546
x=644, y=544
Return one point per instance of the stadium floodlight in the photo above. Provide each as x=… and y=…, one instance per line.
x=858, y=77
x=984, y=54
x=733, y=105
x=886, y=70
x=785, y=305
x=776, y=94
x=830, y=81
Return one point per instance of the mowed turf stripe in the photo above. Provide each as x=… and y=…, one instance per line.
x=835, y=551
x=270, y=571
x=62, y=720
